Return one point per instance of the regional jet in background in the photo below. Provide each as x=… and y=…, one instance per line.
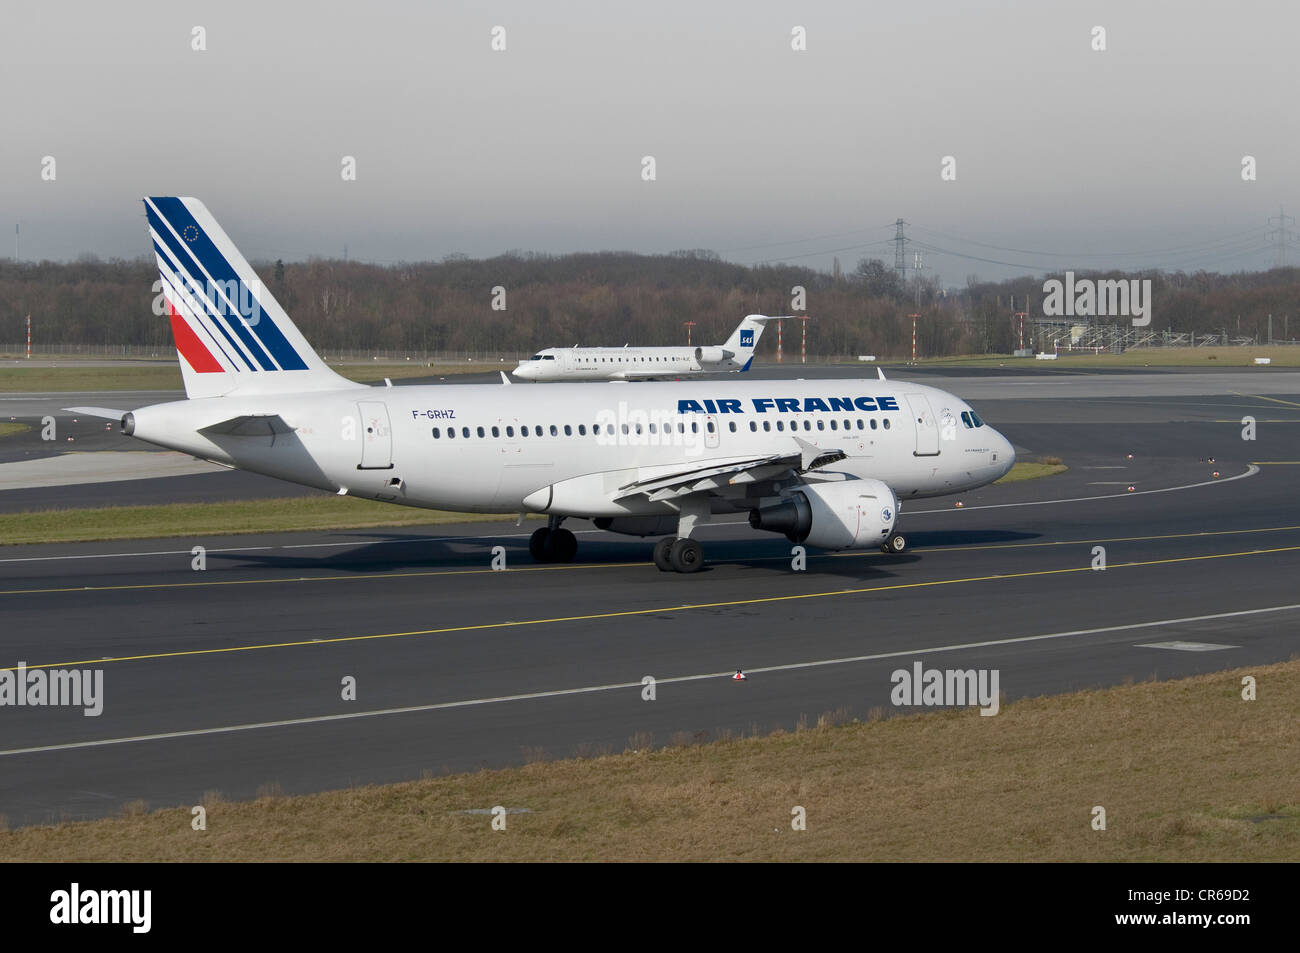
x=821, y=462
x=628, y=363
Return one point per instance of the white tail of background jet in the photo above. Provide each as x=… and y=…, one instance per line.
x=230, y=332
x=744, y=339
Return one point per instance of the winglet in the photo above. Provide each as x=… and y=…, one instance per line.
x=881, y=372
x=505, y=380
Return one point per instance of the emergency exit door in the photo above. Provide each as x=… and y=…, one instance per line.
x=376, y=436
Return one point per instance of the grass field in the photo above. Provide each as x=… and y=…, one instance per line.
x=1140, y=357
x=167, y=376
x=1032, y=470
x=8, y=430
x=262, y=516
x=1185, y=770
x=216, y=519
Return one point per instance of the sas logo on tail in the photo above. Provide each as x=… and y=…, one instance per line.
x=746, y=338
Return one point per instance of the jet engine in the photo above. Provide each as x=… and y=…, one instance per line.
x=848, y=515
x=713, y=355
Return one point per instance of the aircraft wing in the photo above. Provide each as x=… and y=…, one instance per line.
x=107, y=413
x=708, y=477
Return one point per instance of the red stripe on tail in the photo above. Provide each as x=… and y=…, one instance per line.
x=191, y=348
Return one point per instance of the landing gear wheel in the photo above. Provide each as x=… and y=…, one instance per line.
x=660, y=553
x=561, y=546
x=686, y=555
x=894, y=545
x=537, y=544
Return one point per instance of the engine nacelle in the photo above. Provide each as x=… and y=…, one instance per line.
x=713, y=355
x=638, y=525
x=846, y=515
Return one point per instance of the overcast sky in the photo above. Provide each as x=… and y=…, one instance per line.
x=1073, y=157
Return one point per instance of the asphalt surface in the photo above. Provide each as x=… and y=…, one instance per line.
x=229, y=679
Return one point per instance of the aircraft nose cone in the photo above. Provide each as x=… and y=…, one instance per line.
x=1006, y=454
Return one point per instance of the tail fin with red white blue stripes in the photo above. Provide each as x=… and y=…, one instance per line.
x=230, y=332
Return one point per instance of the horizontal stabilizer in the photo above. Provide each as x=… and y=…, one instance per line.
x=108, y=413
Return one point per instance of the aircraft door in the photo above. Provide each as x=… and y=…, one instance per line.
x=376, y=436
x=927, y=428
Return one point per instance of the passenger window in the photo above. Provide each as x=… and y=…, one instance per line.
x=753, y=426
x=464, y=432
x=496, y=431
x=451, y=432
x=873, y=423
x=767, y=426
x=821, y=425
x=555, y=431
x=710, y=426
x=860, y=427
x=523, y=431
x=886, y=423
x=695, y=426
x=436, y=434
x=780, y=425
x=482, y=432
x=807, y=425
x=568, y=431
x=732, y=425
x=582, y=430
x=510, y=431
x=652, y=428
x=833, y=425
x=625, y=429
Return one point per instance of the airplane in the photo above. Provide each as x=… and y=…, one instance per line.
x=822, y=462
x=628, y=363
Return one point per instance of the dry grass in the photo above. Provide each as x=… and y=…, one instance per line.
x=1032, y=470
x=1281, y=355
x=291, y=514
x=167, y=375
x=10, y=429
x=1186, y=771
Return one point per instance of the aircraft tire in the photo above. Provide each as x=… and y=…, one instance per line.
x=660, y=553
x=537, y=547
x=561, y=546
x=686, y=555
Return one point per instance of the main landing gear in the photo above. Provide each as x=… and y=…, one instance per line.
x=675, y=554
x=680, y=553
x=552, y=543
x=894, y=545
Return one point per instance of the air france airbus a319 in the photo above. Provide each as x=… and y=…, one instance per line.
x=820, y=462
x=631, y=363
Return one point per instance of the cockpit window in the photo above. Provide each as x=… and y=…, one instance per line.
x=976, y=417
x=965, y=419
x=535, y=357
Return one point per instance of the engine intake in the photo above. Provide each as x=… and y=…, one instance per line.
x=713, y=355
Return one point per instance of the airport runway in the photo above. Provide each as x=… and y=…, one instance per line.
x=230, y=679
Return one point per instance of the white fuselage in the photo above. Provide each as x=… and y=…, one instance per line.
x=619, y=363
x=567, y=449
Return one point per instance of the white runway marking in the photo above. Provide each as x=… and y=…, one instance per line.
x=913, y=653
x=1251, y=470
x=1187, y=646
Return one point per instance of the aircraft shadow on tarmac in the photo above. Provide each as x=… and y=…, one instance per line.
x=401, y=552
